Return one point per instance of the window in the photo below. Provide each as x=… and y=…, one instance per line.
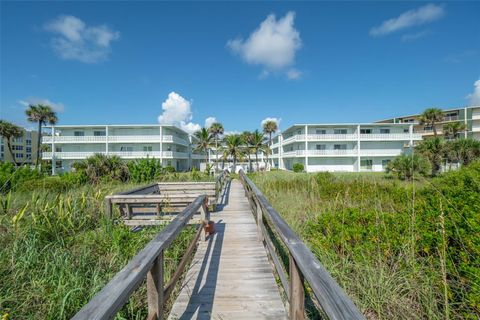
x=79, y=133
x=2, y=148
x=29, y=135
x=406, y=131
x=29, y=156
x=339, y=147
x=320, y=131
x=321, y=147
x=28, y=142
x=385, y=163
x=58, y=149
x=18, y=155
x=340, y=131
x=28, y=149
x=384, y=131
x=128, y=149
x=365, y=131
x=366, y=164
x=147, y=148
x=18, y=148
x=18, y=139
x=428, y=128
x=299, y=132
x=99, y=133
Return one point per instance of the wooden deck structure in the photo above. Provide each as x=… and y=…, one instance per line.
x=236, y=273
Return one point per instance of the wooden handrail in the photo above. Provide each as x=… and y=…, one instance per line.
x=148, y=263
x=304, y=265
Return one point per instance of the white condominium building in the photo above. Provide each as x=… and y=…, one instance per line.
x=71, y=143
x=342, y=147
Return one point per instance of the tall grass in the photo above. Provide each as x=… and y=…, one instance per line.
x=57, y=250
x=384, y=241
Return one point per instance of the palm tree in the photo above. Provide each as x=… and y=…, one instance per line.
x=41, y=114
x=407, y=166
x=451, y=129
x=270, y=127
x=246, y=136
x=257, y=143
x=203, y=143
x=431, y=117
x=9, y=131
x=216, y=130
x=233, y=147
x=463, y=151
x=433, y=149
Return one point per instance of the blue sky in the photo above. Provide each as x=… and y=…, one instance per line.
x=119, y=63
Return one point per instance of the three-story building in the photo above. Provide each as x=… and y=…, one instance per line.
x=70, y=143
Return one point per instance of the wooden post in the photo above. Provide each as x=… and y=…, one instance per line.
x=259, y=221
x=129, y=211
x=159, y=210
x=155, y=289
x=297, y=293
x=108, y=207
x=204, y=217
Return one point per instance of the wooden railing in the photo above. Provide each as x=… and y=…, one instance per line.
x=148, y=264
x=303, y=265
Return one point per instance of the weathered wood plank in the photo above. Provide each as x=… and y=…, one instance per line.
x=333, y=300
x=155, y=296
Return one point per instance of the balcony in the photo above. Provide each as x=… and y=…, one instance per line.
x=390, y=136
x=333, y=137
x=121, y=154
x=354, y=137
x=380, y=152
x=115, y=139
x=332, y=153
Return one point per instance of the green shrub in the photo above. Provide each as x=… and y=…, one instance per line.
x=144, y=170
x=12, y=178
x=298, y=167
x=170, y=169
x=409, y=166
x=100, y=167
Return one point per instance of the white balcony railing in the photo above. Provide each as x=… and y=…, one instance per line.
x=390, y=136
x=380, y=152
x=332, y=152
x=121, y=154
x=334, y=137
x=114, y=139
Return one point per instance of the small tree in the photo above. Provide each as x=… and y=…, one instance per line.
x=452, y=129
x=216, y=130
x=257, y=143
x=41, y=114
x=9, y=131
x=432, y=149
x=431, y=117
x=203, y=143
x=269, y=128
x=233, y=148
x=298, y=167
x=408, y=166
x=462, y=151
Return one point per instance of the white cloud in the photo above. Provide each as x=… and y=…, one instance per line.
x=74, y=40
x=294, y=74
x=415, y=36
x=474, y=98
x=427, y=13
x=229, y=133
x=277, y=120
x=177, y=111
x=272, y=45
x=56, y=106
x=209, y=121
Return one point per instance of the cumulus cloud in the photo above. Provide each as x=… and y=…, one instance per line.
x=415, y=36
x=74, y=40
x=272, y=45
x=56, y=106
x=474, y=97
x=209, y=121
x=177, y=111
x=425, y=14
x=277, y=120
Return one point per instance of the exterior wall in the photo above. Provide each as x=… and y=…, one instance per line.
x=24, y=148
x=169, y=144
x=342, y=147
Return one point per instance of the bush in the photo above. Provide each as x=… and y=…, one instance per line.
x=407, y=167
x=12, y=178
x=144, y=170
x=100, y=167
x=298, y=167
x=170, y=169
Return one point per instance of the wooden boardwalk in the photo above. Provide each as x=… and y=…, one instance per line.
x=230, y=276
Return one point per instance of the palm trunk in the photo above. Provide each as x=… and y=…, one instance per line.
x=39, y=139
x=9, y=147
x=216, y=153
x=434, y=129
x=206, y=161
x=256, y=158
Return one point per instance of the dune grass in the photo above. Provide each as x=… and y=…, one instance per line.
x=58, y=250
x=401, y=250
